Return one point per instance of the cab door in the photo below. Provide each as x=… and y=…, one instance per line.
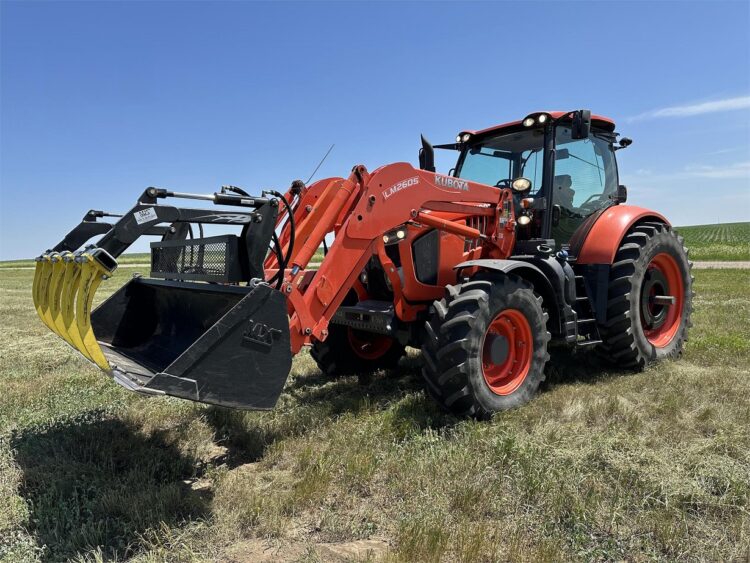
x=585, y=178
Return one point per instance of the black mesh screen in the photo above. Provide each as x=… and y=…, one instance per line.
x=202, y=259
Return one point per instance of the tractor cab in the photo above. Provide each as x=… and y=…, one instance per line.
x=580, y=177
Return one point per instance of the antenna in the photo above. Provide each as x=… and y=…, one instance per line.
x=320, y=164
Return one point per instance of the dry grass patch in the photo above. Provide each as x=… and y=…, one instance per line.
x=602, y=465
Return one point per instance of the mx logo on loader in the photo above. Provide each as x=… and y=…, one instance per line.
x=260, y=333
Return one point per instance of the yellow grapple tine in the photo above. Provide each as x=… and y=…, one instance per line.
x=38, y=269
x=57, y=294
x=92, y=275
x=71, y=283
x=53, y=292
x=41, y=297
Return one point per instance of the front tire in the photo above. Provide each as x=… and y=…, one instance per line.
x=486, y=346
x=641, y=329
x=353, y=352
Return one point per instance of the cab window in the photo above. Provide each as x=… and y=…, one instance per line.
x=585, y=177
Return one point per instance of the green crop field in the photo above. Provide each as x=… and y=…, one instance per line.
x=602, y=465
x=728, y=241
x=721, y=242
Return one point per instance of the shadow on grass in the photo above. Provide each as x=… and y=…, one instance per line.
x=97, y=481
x=565, y=367
x=312, y=399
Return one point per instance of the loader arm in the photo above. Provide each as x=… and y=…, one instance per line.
x=393, y=196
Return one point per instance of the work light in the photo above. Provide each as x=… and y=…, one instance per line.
x=521, y=184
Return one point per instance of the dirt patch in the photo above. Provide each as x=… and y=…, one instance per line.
x=267, y=551
x=706, y=265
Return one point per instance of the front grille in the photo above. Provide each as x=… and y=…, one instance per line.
x=202, y=259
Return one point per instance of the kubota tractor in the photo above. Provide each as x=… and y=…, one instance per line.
x=525, y=243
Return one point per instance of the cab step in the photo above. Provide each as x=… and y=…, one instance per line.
x=370, y=316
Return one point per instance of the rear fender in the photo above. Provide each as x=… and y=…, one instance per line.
x=597, y=242
x=546, y=275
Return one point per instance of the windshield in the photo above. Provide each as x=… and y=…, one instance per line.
x=505, y=157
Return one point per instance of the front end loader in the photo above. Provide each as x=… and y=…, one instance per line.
x=525, y=243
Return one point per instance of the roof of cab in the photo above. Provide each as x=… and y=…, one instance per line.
x=599, y=120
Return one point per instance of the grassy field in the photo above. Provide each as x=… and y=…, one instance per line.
x=728, y=241
x=602, y=465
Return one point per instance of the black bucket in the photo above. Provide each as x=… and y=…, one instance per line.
x=221, y=344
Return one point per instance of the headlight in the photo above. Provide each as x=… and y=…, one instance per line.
x=536, y=119
x=521, y=184
x=465, y=137
x=524, y=220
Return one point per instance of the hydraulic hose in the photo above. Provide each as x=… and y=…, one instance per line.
x=292, y=228
x=278, y=277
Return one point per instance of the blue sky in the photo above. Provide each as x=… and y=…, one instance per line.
x=101, y=99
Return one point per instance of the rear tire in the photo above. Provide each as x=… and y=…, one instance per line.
x=485, y=346
x=652, y=260
x=352, y=352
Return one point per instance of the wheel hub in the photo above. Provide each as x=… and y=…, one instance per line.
x=498, y=348
x=368, y=346
x=507, y=351
x=653, y=311
x=661, y=300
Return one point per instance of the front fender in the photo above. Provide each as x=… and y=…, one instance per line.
x=548, y=278
x=605, y=235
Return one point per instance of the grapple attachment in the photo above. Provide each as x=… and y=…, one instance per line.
x=222, y=337
x=63, y=290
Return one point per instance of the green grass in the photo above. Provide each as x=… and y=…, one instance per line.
x=722, y=242
x=602, y=465
x=728, y=241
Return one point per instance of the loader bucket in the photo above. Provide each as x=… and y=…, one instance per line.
x=222, y=344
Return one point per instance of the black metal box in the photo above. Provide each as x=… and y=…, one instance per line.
x=212, y=259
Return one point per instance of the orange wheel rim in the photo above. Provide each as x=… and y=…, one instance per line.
x=507, y=350
x=662, y=321
x=369, y=346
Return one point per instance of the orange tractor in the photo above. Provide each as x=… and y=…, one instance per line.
x=526, y=242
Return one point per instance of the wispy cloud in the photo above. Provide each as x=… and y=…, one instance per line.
x=737, y=170
x=734, y=171
x=725, y=151
x=729, y=104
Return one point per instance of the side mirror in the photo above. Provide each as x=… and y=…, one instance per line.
x=581, y=124
x=621, y=196
x=427, y=156
x=562, y=154
x=625, y=142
